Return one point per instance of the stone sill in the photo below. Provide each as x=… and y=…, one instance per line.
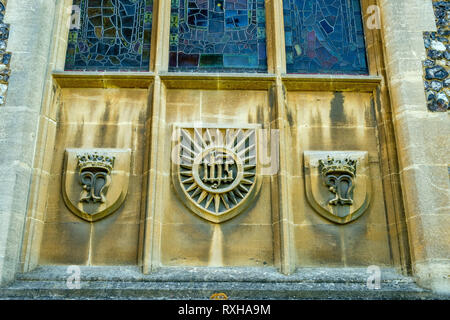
x=301, y=82
x=208, y=274
x=216, y=81
x=49, y=282
x=105, y=80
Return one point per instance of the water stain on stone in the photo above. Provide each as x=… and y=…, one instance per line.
x=369, y=114
x=290, y=117
x=105, y=134
x=378, y=100
x=102, y=135
x=79, y=135
x=316, y=118
x=337, y=114
x=272, y=97
x=106, y=114
x=260, y=115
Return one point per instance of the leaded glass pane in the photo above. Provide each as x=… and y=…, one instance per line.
x=324, y=36
x=218, y=36
x=112, y=35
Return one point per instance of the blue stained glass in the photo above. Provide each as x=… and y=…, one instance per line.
x=324, y=36
x=218, y=36
x=110, y=35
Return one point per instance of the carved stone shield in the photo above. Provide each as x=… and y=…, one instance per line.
x=95, y=181
x=338, y=185
x=215, y=170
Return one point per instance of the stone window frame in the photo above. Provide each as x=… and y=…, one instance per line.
x=158, y=79
x=276, y=54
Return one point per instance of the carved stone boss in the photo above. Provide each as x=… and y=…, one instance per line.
x=338, y=184
x=95, y=181
x=215, y=170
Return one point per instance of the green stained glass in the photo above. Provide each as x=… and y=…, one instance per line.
x=112, y=35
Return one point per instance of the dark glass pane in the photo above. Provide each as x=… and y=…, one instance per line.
x=218, y=36
x=112, y=35
x=324, y=36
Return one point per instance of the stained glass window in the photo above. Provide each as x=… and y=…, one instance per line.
x=324, y=36
x=110, y=35
x=218, y=36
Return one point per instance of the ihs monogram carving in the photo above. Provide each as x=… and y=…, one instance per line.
x=339, y=177
x=216, y=170
x=338, y=184
x=95, y=181
x=95, y=176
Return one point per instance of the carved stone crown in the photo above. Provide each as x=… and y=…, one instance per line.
x=95, y=161
x=331, y=165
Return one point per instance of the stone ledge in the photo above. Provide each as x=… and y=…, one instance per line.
x=218, y=81
x=324, y=82
x=105, y=80
x=200, y=283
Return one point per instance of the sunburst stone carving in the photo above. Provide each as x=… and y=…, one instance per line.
x=217, y=168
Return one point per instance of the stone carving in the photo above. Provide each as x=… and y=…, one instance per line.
x=337, y=184
x=215, y=170
x=338, y=177
x=95, y=176
x=95, y=181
